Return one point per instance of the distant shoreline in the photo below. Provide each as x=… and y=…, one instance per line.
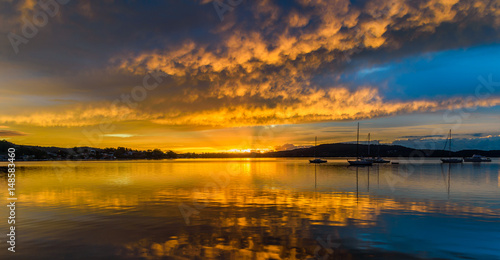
x=233, y=157
x=337, y=150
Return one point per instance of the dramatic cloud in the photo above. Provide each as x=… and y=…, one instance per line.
x=288, y=147
x=267, y=62
x=328, y=28
x=489, y=142
x=316, y=106
x=271, y=70
x=9, y=133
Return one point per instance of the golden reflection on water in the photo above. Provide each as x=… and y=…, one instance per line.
x=126, y=185
x=251, y=209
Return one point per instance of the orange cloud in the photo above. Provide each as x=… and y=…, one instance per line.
x=8, y=133
x=314, y=106
x=264, y=75
x=252, y=49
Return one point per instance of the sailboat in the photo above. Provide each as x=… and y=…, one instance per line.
x=380, y=160
x=374, y=159
x=316, y=160
x=449, y=159
x=477, y=158
x=359, y=161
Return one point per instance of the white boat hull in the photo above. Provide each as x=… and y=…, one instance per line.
x=360, y=163
x=452, y=160
x=477, y=158
x=317, y=161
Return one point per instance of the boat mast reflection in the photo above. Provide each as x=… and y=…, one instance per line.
x=447, y=179
x=315, y=178
x=357, y=187
x=368, y=179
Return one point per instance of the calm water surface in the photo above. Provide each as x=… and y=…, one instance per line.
x=255, y=209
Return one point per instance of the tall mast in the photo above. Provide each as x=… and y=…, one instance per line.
x=357, y=143
x=315, y=145
x=450, y=144
x=369, y=143
x=378, y=148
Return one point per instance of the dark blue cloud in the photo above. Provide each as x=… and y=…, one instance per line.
x=486, y=143
x=445, y=73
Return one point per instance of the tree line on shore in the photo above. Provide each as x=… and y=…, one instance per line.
x=25, y=152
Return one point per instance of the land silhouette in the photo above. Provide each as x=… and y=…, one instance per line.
x=26, y=152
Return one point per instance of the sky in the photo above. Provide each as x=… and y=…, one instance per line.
x=211, y=76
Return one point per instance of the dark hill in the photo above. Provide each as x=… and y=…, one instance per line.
x=349, y=150
x=324, y=150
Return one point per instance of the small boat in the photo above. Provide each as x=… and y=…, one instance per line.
x=359, y=160
x=477, y=158
x=379, y=160
x=395, y=163
x=450, y=160
x=316, y=160
x=374, y=159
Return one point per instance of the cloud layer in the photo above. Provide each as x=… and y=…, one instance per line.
x=262, y=71
x=268, y=62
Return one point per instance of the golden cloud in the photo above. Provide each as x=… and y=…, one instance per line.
x=263, y=75
x=315, y=106
x=252, y=49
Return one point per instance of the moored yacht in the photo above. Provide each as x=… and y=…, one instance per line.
x=452, y=160
x=316, y=160
x=359, y=160
x=380, y=160
x=477, y=158
x=374, y=159
x=449, y=159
